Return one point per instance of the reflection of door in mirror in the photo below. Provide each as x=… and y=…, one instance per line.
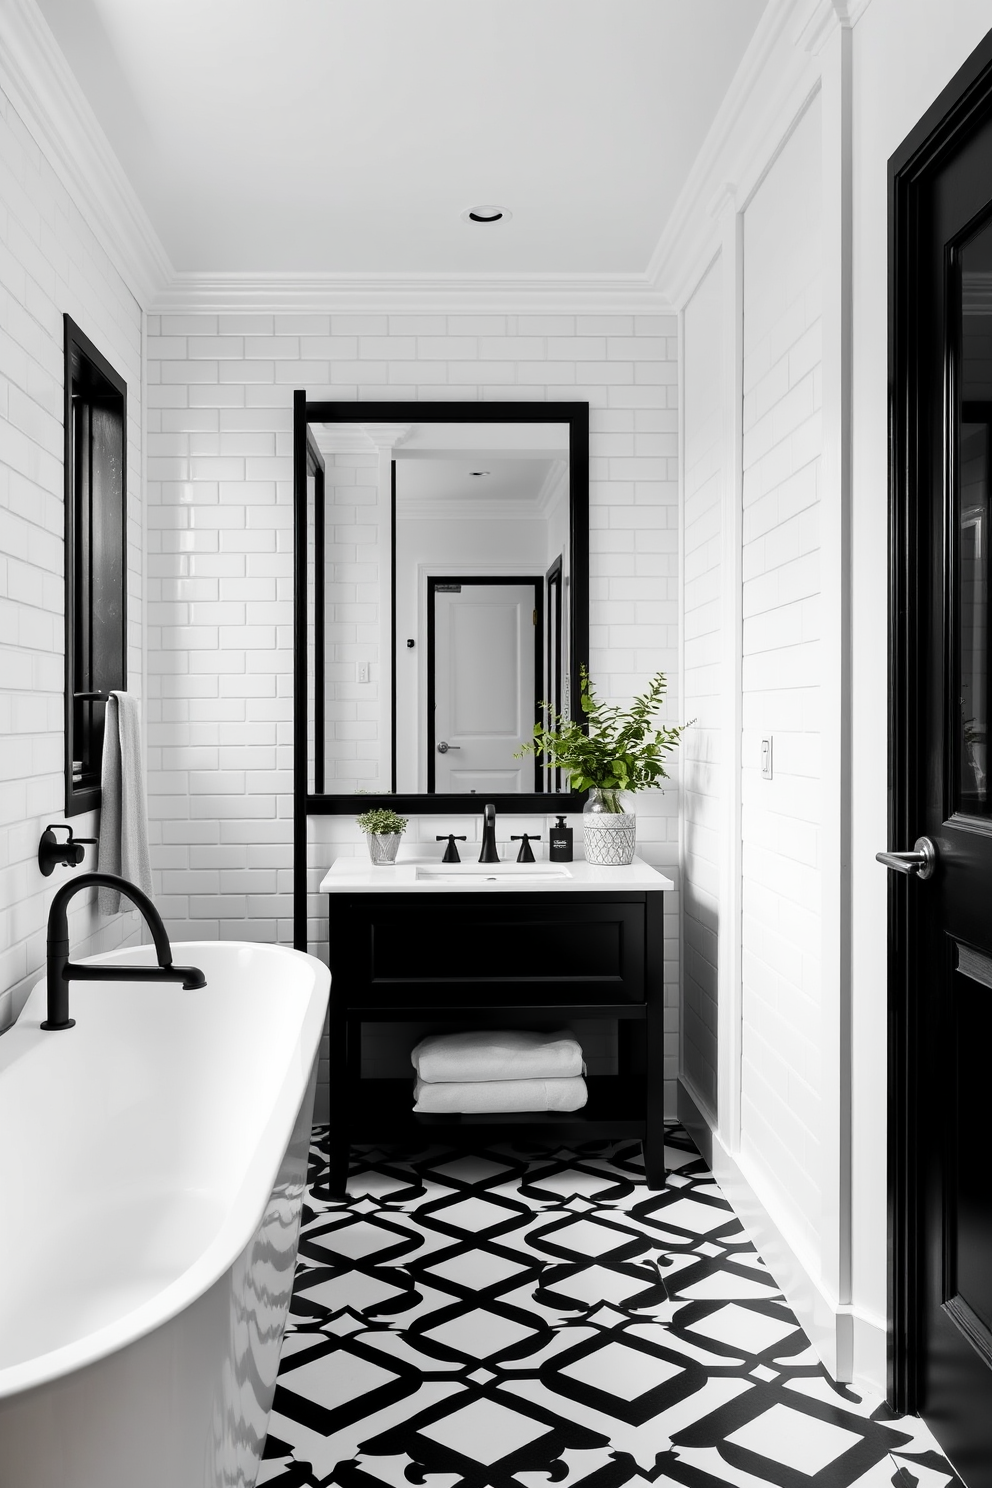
x=478, y=506
x=484, y=663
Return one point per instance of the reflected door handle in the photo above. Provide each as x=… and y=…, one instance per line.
x=921, y=861
x=444, y=746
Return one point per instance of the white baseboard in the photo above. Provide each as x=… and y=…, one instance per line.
x=850, y=1344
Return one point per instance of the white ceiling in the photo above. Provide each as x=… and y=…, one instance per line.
x=450, y=481
x=348, y=136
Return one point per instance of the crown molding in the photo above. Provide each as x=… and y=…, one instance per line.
x=822, y=20
x=775, y=80
x=41, y=86
x=218, y=293
x=359, y=438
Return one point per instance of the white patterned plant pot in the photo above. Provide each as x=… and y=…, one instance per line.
x=383, y=846
x=609, y=838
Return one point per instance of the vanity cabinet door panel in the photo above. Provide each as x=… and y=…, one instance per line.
x=500, y=951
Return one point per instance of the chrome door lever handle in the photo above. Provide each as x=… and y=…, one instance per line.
x=444, y=746
x=921, y=861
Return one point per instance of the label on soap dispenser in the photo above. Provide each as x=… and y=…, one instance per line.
x=560, y=850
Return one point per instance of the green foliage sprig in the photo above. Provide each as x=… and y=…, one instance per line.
x=623, y=749
x=381, y=822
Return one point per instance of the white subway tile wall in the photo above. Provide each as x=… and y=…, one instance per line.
x=706, y=608
x=50, y=263
x=781, y=817
x=219, y=544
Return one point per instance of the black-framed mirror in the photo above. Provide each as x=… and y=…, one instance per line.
x=441, y=586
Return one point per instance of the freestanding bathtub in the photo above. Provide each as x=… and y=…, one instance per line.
x=152, y=1167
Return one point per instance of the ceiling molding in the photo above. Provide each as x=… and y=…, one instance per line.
x=357, y=438
x=822, y=19
x=41, y=86
x=629, y=294
x=769, y=91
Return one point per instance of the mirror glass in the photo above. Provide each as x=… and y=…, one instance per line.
x=439, y=620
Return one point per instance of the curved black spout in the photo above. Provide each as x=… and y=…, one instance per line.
x=61, y=971
x=490, y=852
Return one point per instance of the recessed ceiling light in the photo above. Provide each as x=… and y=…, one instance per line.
x=486, y=214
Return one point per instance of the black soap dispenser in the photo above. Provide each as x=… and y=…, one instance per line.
x=561, y=843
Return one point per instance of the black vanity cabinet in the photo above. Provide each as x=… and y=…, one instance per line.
x=523, y=959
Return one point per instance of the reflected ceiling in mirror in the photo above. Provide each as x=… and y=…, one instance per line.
x=441, y=590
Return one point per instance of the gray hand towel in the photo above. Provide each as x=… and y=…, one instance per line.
x=123, y=818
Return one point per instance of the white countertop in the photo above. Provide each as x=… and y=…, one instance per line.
x=361, y=876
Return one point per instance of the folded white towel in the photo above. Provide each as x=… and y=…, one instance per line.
x=123, y=815
x=501, y=1054
x=477, y=1096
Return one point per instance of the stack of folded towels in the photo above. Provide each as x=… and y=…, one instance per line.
x=505, y=1070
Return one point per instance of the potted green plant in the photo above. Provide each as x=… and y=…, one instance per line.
x=383, y=829
x=612, y=751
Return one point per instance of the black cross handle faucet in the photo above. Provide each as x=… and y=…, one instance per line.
x=526, y=853
x=451, y=851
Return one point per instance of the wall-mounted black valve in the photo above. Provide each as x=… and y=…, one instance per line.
x=451, y=851
x=52, y=852
x=526, y=853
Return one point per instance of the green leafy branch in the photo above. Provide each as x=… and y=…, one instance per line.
x=618, y=749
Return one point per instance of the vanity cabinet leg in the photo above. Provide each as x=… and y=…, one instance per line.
x=655, y=1172
x=654, y=1094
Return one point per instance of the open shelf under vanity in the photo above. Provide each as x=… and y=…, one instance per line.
x=533, y=959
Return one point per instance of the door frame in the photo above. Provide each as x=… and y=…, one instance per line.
x=966, y=98
x=436, y=581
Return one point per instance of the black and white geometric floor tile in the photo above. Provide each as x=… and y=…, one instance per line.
x=537, y=1318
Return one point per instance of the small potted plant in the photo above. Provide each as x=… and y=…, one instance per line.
x=383, y=829
x=618, y=750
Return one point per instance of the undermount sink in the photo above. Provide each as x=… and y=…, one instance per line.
x=491, y=873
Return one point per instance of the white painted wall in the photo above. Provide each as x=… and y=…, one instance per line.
x=356, y=559
x=51, y=263
x=219, y=497
x=705, y=604
x=781, y=817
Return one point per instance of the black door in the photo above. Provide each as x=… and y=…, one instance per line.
x=941, y=911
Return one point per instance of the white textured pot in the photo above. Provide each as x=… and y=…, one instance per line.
x=383, y=846
x=610, y=835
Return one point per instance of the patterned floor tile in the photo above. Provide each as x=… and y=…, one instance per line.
x=519, y=1318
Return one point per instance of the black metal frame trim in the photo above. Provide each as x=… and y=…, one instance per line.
x=576, y=416
x=89, y=798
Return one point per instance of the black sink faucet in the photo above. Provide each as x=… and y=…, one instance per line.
x=489, y=853
x=61, y=971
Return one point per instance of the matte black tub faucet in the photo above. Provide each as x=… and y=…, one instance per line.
x=61, y=971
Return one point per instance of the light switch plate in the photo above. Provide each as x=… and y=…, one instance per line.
x=766, y=759
x=363, y=671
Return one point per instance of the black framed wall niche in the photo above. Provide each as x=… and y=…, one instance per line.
x=95, y=486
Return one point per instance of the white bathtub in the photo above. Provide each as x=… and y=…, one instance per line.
x=152, y=1166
